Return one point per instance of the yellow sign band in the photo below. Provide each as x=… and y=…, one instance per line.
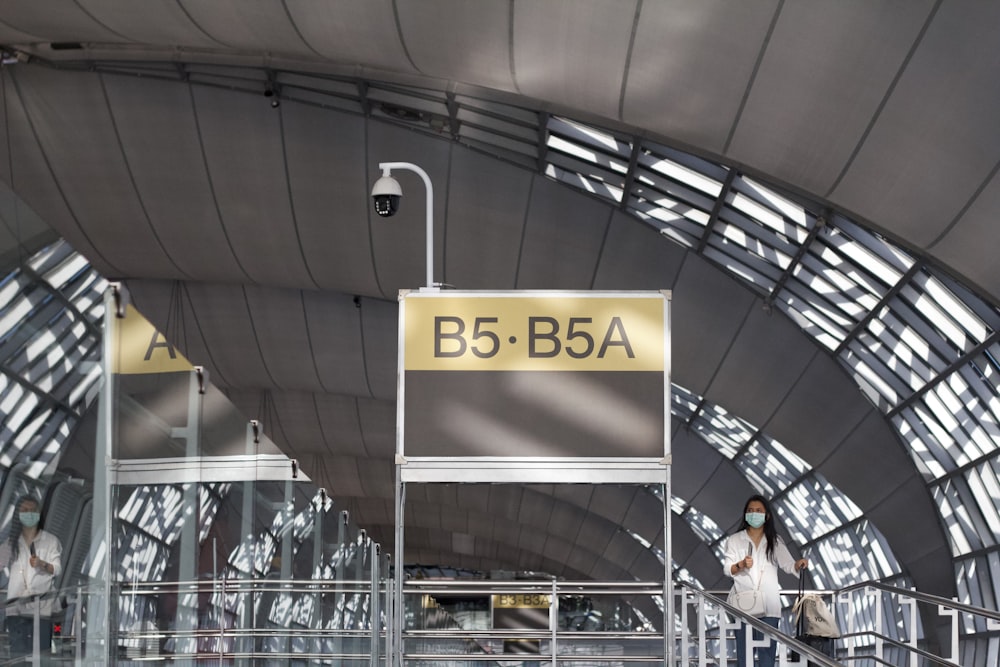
x=534, y=333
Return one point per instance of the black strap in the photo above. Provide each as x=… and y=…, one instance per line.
x=802, y=590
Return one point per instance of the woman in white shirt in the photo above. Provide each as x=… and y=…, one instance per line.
x=752, y=559
x=35, y=560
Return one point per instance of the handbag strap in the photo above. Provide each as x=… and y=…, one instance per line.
x=760, y=572
x=799, y=621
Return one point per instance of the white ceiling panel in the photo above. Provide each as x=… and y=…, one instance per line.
x=222, y=319
x=623, y=549
x=694, y=463
x=325, y=158
x=885, y=465
x=161, y=22
x=28, y=172
x=573, y=52
x=474, y=497
x=561, y=224
x=929, y=560
x=378, y=427
x=581, y=561
x=160, y=141
x=77, y=135
x=645, y=514
x=962, y=245
x=762, y=365
x=706, y=315
x=691, y=65
x=810, y=65
x=635, y=256
x=484, y=230
x=351, y=32
x=339, y=477
x=254, y=26
x=281, y=329
x=329, y=423
x=379, y=335
x=823, y=404
x=250, y=184
x=440, y=34
x=950, y=147
x=336, y=330
x=723, y=495
x=565, y=520
x=70, y=22
x=596, y=533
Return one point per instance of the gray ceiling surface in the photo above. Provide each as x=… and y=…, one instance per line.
x=245, y=231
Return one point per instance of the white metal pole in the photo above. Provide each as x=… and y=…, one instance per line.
x=409, y=166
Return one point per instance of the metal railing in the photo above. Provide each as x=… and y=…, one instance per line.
x=453, y=623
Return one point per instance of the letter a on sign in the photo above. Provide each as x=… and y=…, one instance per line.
x=140, y=348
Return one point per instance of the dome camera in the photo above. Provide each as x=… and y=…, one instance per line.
x=386, y=193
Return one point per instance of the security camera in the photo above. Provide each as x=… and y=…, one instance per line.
x=387, y=193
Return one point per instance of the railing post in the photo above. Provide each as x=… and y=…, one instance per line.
x=945, y=611
x=375, y=605
x=911, y=640
x=879, y=644
x=703, y=635
x=554, y=621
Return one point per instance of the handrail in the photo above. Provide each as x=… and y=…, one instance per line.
x=898, y=644
x=924, y=597
x=916, y=595
x=767, y=630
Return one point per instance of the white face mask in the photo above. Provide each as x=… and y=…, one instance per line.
x=29, y=519
x=755, y=519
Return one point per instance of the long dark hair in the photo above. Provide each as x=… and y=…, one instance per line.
x=770, y=531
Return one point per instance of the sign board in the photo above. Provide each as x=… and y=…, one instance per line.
x=138, y=348
x=521, y=611
x=533, y=386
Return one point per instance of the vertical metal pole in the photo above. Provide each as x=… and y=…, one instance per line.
x=317, y=568
x=98, y=628
x=399, y=607
x=375, y=608
x=338, y=594
x=187, y=614
x=668, y=547
x=247, y=539
x=554, y=621
x=389, y=609
x=287, y=555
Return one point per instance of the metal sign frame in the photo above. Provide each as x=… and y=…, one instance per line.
x=530, y=469
x=533, y=469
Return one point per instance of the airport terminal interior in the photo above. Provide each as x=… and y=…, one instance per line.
x=813, y=186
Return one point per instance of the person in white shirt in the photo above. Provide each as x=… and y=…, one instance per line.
x=752, y=559
x=35, y=561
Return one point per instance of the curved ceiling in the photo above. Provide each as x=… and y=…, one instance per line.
x=243, y=227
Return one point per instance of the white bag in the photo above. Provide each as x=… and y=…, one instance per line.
x=817, y=619
x=749, y=602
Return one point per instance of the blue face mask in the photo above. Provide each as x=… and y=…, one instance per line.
x=755, y=519
x=29, y=519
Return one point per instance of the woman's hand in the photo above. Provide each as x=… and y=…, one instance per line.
x=801, y=564
x=740, y=565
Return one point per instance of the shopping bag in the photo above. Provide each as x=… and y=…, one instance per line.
x=815, y=617
x=815, y=625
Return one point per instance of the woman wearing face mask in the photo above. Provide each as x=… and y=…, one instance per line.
x=35, y=560
x=752, y=559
